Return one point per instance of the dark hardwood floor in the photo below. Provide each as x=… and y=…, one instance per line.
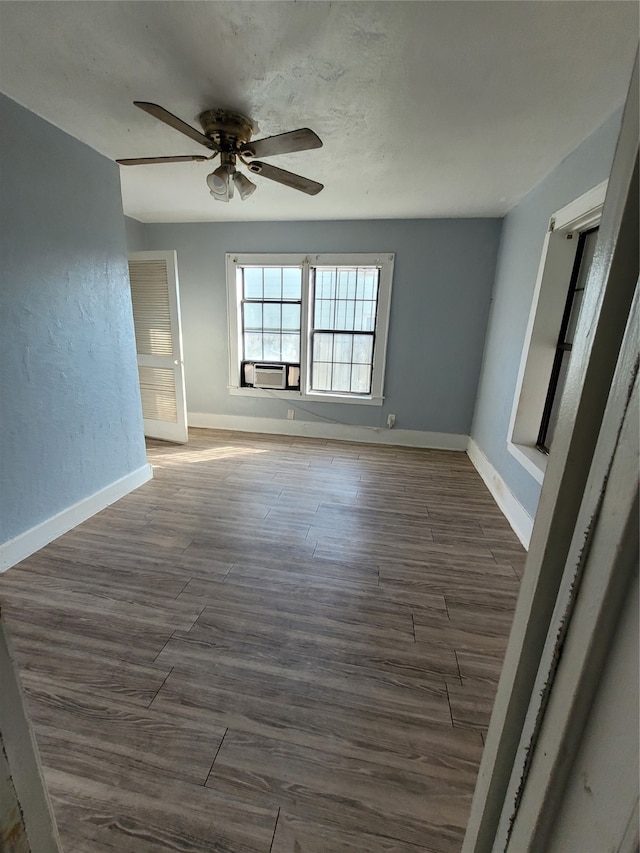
x=278, y=645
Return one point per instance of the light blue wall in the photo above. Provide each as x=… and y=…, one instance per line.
x=135, y=234
x=443, y=277
x=519, y=258
x=70, y=417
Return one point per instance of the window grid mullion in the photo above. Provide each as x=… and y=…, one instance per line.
x=333, y=362
x=351, y=365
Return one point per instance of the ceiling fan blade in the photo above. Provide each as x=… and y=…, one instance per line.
x=289, y=179
x=176, y=123
x=284, y=143
x=141, y=161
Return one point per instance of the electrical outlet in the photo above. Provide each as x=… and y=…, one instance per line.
x=291, y=414
x=391, y=421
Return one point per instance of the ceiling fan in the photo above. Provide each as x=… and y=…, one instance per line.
x=229, y=135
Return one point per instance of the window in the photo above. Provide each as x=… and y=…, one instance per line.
x=563, y=270
x=581, y=266
x=315, y=326
x=345, y=302
x=271, y=314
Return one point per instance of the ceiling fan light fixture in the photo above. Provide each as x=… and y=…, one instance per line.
x=244, y=186
x=218, y=181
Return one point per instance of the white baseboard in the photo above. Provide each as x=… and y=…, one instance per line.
x=514, y=512
x=339, y=432
x=37, y=537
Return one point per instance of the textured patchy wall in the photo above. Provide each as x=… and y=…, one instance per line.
x=443, y=276
x=70, y=417
x=520, y=251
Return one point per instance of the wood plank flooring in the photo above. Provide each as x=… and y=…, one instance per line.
x=279, y=645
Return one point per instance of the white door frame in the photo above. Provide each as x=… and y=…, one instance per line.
x=24, y=799
x=164, y=429
x=600, y=568
x=612, y=282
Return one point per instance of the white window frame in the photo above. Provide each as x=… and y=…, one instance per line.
x=543, y=327
x=384, y=261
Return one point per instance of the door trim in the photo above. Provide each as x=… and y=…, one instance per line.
x=168, y=430
x=613, y=278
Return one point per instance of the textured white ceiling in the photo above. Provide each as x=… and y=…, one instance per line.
x=425, y=108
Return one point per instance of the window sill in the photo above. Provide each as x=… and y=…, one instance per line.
x=532, y=459
x=266, y=393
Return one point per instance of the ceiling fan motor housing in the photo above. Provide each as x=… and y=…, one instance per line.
x=230, y=131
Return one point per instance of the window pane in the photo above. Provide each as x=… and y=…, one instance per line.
x=590, y=240
x=291, y=283
x=344, y=314
x=252, y=283
x=342, y=348
x=253, y=346
x=272, y=318
x=359, y=319
x=290, y=347
x=368, y=316
x=252, y=315
x=361, y=379
x=362, y=349
x=575, y=313
x=291, y=317
x=584, y=258
x=351, y=285
x=341, y=315
x=324, y=314
x=343, y=284
x=271, y=346
x=370, y=284
x=349, y=315
x=273, y=283
x=322, y=347
x=341, y=377
x=321, y=378
x=351, y=304
x=555, y=408
x=326, y=284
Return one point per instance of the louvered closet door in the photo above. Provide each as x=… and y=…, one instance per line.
x=156, y=316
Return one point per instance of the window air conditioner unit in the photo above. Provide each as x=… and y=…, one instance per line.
x=269, y=376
